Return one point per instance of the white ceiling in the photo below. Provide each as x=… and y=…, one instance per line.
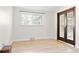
x=42, y=8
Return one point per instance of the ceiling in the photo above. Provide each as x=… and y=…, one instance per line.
x=42, y=8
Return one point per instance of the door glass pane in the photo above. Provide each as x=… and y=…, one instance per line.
x=70, y=25
x=62, y=23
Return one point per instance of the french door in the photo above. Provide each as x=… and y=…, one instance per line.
x=66, y=26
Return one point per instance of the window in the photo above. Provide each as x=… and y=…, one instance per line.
x=30, y=18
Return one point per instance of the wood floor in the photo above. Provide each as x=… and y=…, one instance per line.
x=42, y=46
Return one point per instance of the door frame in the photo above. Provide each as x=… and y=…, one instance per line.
x=65, y=28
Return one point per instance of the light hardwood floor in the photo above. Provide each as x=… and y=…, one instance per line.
x=42, y=46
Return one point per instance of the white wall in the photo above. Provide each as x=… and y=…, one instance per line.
x=77, y=26
x=10, y=18
x=45, y=31
x=5, y=24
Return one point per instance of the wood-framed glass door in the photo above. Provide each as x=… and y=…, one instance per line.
x=70, y=15
x=61, y=26
x=66, y=26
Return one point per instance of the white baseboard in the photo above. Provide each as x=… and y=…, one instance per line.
x=38, y=38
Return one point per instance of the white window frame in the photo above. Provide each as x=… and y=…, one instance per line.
x=32, y=13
